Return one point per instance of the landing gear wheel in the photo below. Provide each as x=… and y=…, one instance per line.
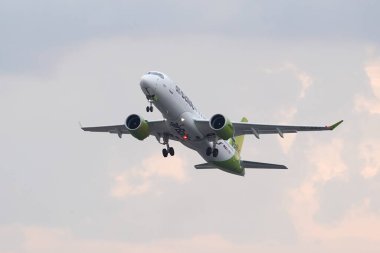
x=171, y=151
x=147, y=109
x=208, y=151
x=151, y=108
x=215, y=152
x=165, y=152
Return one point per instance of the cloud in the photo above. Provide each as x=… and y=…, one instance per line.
x=329, y=165
x=369, y=151
x=373, y=72
x=358, y=223
x=42, y=239
x=287, y=114
x=304, y=78
x=328, y=160
x=371, y=105
x=141, y=179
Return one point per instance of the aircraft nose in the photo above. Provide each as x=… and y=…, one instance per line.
x=147, y=82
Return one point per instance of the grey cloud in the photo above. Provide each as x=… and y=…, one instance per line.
x=30, y=28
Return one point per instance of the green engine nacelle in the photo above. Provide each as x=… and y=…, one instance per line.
x=222, y=126
x=137, y=126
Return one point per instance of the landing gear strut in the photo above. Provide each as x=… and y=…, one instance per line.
x=150, y=98
x=168, y=149
x=213, y=150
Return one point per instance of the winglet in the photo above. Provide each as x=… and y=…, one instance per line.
x=80, y=125
x=332, y=127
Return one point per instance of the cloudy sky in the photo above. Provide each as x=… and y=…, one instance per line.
x=294, y=62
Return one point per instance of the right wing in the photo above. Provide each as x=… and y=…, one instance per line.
x=156, y=128
x=243, y=128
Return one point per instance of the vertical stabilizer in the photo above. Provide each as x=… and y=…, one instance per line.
x=240, y=139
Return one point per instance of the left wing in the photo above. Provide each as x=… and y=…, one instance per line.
x=243, y=128
x=156, y=128
x=116, y=129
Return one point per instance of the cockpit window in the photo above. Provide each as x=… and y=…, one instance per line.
x=156, y=74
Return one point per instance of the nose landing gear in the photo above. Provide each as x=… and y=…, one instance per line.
x=149, y=108
x=150, y=100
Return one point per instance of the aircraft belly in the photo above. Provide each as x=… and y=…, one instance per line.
x=187, y=119
x=168, y=103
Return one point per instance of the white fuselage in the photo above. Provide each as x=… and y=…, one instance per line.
x=180, y=113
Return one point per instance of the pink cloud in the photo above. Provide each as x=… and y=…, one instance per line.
x=304, y=78
x=371, y=105
x=141, y=179
x=369, y=152
x=59, y=240
x=358, y=223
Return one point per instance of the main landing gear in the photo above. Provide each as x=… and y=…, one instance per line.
x=150, y=98
x=213, y=151
x=168, y=149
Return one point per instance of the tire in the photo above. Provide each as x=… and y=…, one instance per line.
x=208, y=151
x=147, y=109
x=171, y=151
x=165, y=152
x=215, y=152
x=151, y=109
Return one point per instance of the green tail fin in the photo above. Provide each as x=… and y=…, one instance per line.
x=240, y=139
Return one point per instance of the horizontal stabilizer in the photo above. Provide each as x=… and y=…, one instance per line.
x=257, y=165
x=205, y=166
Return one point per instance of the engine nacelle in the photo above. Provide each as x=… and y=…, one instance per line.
x=137, y=126
x=222, y=126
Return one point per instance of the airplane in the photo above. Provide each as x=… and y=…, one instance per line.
x=218, y=140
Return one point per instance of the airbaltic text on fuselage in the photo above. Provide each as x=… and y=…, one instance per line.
x=186, y=98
